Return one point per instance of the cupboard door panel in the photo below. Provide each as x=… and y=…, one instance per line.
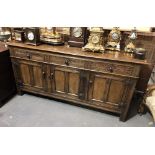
x=37, y=75
x=32, y=74
x=116, y=91
x=73, y=83
x=107, y=91
x=64, y=80
x=59, y=81
x=25, y=74
x=99, y=88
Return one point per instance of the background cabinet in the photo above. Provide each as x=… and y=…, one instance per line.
x=7, y=82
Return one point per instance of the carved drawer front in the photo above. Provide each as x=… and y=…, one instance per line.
x=116, y=68
x=68, y=61
x=28, y=54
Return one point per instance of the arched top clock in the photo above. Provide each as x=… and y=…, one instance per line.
x=78, y=36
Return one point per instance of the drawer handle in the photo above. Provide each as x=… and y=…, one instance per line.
x=90, y=81
x=28, y=56
x=80, y=94
x=67, y=62
x=51, y=76
x=110, y=69
x=44, y=74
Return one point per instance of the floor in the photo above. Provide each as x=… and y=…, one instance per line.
x=34, y=111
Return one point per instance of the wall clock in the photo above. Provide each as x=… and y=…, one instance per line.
x=78, y=36
x=32, y=36
x=114, y=38
x=95, y=41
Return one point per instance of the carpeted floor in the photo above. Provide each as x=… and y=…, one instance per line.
x=34, y=111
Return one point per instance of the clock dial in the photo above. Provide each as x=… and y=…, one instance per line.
x=30, y=36
x=95, y=39
x=77, y=32
x=115, y=36
x=18, y=37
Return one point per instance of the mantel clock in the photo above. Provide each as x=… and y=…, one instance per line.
x=77, y=36
x=32, y=36
x=19, y=35
x=114, y=38
x=50, y=35
x=95, y=41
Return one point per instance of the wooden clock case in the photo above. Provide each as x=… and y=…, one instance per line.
x=78, y=41
x=36, y=32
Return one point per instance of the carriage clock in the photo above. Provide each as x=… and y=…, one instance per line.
x=32, y=35
x=114, y=38
x=77, y=36
x=19, y=34
x=95, y=41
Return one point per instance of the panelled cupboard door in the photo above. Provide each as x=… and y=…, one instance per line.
x=63, y=80
x=107, y=91
x=30, y=74
x=38, y=72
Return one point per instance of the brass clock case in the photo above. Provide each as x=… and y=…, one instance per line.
x=114, y=38
x=95, y=41
x=49, y=35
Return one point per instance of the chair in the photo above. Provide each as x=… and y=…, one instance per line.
x=149, y=101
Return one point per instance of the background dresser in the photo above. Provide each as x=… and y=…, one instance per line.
x=102, y=81
x=7, y=82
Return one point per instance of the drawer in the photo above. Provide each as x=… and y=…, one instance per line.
x=98, y=66
x=38, y=57
x=27, y=54
x=115, y=68
x=68, y=61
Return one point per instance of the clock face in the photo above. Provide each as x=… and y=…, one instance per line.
x=30, y=36
x=18, y=37
x=115, y=36
x=77, y=32
x=95, y=39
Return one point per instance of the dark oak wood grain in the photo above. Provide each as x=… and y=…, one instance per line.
x=73, y=51
x=104, y=81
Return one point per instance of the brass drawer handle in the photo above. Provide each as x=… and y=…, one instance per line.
x=28, y=56
x=90, y=81
x=51, y=76
x=110, y=69
x=81, y=94
x=44, y=74
x=67, y=62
